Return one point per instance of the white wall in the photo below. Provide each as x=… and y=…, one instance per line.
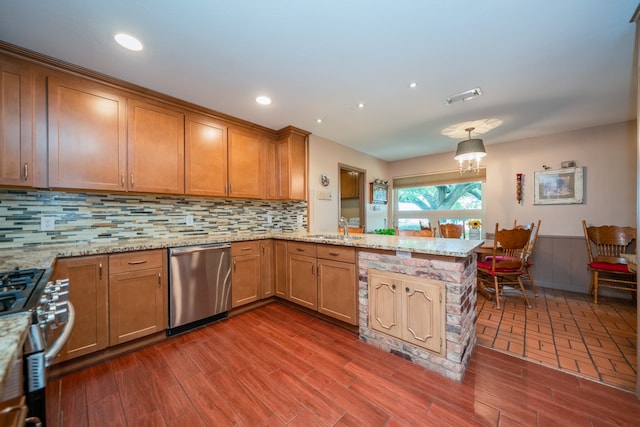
x=608, y=154
x=324, y=156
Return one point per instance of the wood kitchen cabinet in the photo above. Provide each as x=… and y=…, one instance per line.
x=267, y=270
x=17, y=138
x=87, y=135
x=137, y=295
x=287, y=165
x=338, y=283
x=280, y=268
x=245, y=272
x=302, y=274
x=155, y=148
x=349, y=184
x=247, y=163
x=205, y=156
x=409, y=308
x=88, y=292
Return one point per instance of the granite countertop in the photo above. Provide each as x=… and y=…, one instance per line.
x=43, y=256
x=13, y=331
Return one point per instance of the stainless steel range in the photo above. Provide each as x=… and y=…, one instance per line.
x=29, y=290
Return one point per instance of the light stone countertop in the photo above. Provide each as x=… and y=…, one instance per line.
x=13, y=330
x=44, y=256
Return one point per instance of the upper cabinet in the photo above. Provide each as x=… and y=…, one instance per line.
x=155, y=148
x=205, y=156
x=287, y=160
x=87, y=135
x=349, y=184
x=17, y=118
x=247, y=164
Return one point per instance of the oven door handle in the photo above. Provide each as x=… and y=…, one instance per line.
x=53, y=351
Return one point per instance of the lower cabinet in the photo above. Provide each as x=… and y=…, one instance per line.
x=88, y=291
x=323, y=278
x=408, y=308
x=137, y=288
x=267, y=270
x=280, y=269
x=245, y=272
x=117, y=298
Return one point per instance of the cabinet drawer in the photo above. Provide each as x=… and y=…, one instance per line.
x=132, y=261
x=245, y=248
x=337, y=253
x=301, y=248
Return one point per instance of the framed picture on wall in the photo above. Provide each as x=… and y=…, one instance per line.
x=558, y=186
x=378, y=193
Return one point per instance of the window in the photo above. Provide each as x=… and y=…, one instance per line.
x=422, y=201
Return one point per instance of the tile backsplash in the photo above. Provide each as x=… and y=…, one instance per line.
x=83, y=217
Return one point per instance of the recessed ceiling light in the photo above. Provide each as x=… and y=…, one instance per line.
x=413, y=85
x=463, y=96
x=361, y=105
x=128, y=41
x=319, y=120
x=263, y=100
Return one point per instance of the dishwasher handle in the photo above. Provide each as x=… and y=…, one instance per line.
x=200, y=248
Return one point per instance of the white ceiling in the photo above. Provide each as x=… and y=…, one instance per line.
x=545, y=66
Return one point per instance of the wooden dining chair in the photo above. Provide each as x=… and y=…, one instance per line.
x=605, y=246
x=506, y=265
x=416, y=233
x=527, y=256
x=425, y=227
x=451, y=231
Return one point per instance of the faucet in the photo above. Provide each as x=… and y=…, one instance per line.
x=342, y=222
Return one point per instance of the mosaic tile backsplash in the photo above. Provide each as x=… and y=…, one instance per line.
x=84, y=217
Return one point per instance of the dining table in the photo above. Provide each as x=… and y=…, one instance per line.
x=486, y=248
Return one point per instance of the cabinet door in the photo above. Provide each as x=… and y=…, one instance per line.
x=245, y=279
x=88, y=292
x=87, y=135
x=280, y=268
x=349, y=184
x=267, y=273
x=247, y=162
x=287, y=168
x=422, y=312
x=155, y=148
x=205, y=156
x=302, y=280
x=136, y=304
x=16, y=116
x=384, y=304
x=337, y=290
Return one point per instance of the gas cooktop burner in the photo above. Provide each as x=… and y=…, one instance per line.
x=16, y=287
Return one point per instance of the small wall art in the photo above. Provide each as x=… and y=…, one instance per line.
x=558, y=186
x=378, y=192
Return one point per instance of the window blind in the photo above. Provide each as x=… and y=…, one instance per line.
x=442, y=178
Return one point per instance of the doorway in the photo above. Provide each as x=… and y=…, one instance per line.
x=352, y=195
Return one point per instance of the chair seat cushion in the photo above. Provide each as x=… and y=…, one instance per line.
x=609, y=266
x=487, y=265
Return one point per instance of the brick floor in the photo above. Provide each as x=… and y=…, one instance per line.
x=566, y=331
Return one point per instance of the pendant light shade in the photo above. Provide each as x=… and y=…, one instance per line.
x=470, y=150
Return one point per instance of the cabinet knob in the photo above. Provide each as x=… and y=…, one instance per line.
x=407, y=289
x=393, y=286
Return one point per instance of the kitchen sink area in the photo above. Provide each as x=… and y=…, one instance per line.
x=334, y=237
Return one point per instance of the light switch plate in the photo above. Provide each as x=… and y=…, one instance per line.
x=324, y=195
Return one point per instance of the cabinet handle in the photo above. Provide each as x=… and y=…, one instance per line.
x=300, y=249
x=142, y=261
x=313, y=269
x=159, y=280
x=132, y=180
x=230, y=189
x=246, y=249
x=334, y=253
x=234, y=266
x=263, y=250
x=26, y=171
x=100, y=271
x=122, y=180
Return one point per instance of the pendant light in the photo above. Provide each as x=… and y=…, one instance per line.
x=470, y=150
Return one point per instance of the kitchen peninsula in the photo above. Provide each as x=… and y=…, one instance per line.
x=447, y=264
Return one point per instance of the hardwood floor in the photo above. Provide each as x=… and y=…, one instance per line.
x=275, y=366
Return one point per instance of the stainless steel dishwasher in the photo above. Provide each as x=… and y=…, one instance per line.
x=199, y=285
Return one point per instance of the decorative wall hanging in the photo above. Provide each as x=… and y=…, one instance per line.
x=378, y=192
x=519, y=187
x=558, y=186
x=324, y=179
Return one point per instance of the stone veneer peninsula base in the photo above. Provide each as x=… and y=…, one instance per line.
x=459, y=277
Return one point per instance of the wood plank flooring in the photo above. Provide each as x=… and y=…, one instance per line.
x=275, y=366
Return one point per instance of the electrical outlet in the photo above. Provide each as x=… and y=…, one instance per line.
x=188, y=219
x=269, y=219
x=299, y=219
x=47, y=223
